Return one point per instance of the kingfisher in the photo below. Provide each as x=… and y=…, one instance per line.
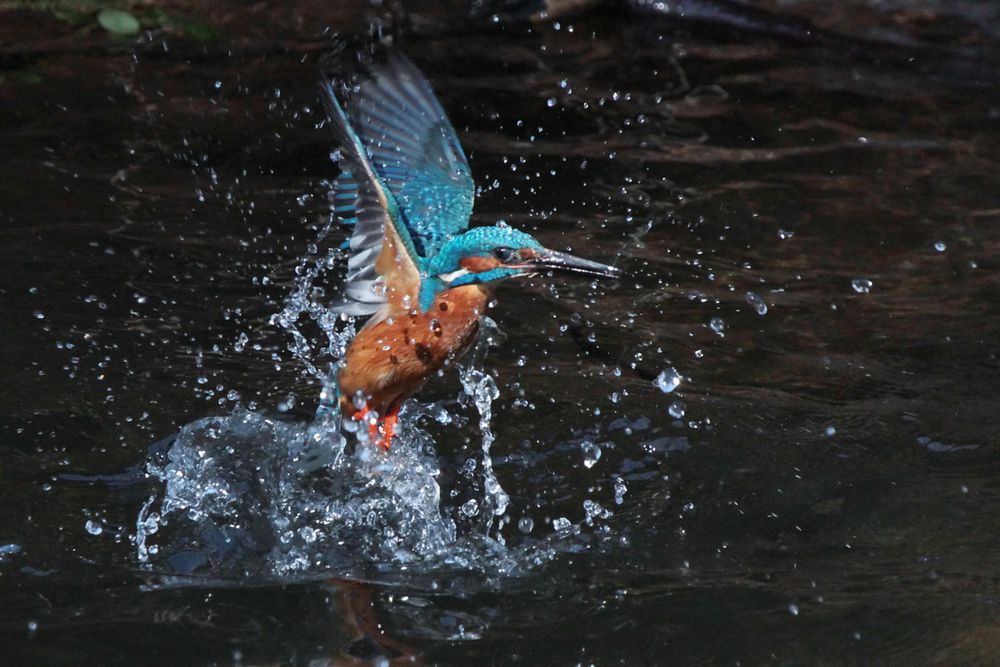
x=415, y=269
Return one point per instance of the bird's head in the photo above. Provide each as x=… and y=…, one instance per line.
x=490, y=254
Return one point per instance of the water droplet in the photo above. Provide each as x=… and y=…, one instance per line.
x=93, y=527
x=470, y=508
x=591, y=453
x=758, y=303
x=793, y=609
x=441, y=416
x=39, y=315
x=677, y=409
x=620, y=490
x=561, y=524
x=551, y=102
x=940, y=246
x=718, y=325
x=9, y=550
x=286, y=403
x=525, y=525
x=668, y=380
x=830, y=431
x=861, y=285
x=593, y=510
x=785, y=234
x=241, y=342
x=32, y=627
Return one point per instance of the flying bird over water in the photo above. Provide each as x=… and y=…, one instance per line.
x=415, y=268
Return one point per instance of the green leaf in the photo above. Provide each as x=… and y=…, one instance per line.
x=118, y=22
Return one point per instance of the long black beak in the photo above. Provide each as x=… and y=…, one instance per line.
x=550, y=260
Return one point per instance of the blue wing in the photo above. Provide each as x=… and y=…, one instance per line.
x=414, y=151
x=362, y=199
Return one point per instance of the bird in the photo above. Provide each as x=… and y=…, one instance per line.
x=415, y=268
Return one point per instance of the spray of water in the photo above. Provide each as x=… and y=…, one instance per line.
x=481, y=388
x=250, y=494
x=306, y=302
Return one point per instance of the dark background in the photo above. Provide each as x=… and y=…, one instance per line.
x=830, y=493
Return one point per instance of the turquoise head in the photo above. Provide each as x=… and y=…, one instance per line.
x=485, y=255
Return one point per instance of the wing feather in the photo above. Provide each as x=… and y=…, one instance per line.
x=415, y=150
x=398, y=150
x=382, y=251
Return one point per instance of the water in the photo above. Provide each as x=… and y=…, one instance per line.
x=822, y=478
x=861, y=285
x=668, y=380
x=247, y=495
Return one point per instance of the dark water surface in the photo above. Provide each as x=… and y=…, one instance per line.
x=826, y=489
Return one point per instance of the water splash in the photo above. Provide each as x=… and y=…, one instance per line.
x=307, y=302
x=483, y=390
x=247, y=494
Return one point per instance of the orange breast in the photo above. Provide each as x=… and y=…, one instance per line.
x=390, y=358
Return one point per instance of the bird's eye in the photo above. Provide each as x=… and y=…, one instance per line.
x=504, y=254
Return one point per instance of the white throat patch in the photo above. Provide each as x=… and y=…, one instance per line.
x=454, y=275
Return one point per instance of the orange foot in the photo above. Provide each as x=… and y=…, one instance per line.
x=380, y=431
x=388, y=428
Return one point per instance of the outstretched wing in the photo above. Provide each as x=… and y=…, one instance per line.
x=414, y=150
x=383, y=258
